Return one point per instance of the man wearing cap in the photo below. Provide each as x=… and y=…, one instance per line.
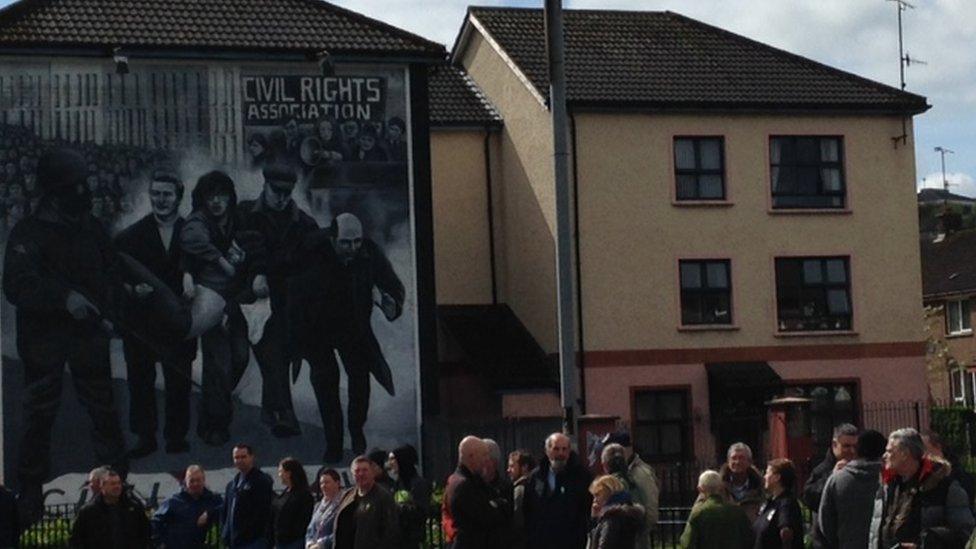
x=283, y=226
x=58, y=272
x=644, y=479
x=154, y=242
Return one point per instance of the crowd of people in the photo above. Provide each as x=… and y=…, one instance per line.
x=488, y=502
x=111, y=172
x=904, y=492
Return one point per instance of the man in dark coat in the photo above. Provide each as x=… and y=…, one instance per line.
x=154, y=242
x=367, y=516
x=113, y=520
x=283, y=227
x=9, y=522
x=184, y=518
x=481, y=516
x=58, y=272
x=247, y=503
x=843, y=448
x=918, y=502
x=335, y=316
x=557, y=499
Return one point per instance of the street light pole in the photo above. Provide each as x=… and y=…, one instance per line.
x=564, y=262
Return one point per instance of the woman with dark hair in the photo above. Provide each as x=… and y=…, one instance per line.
x=321, y=529
x=780, y=523
x=412, y=495
x=291, y=510
x=261, y=154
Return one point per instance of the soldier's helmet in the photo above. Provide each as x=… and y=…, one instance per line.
x=60, y=168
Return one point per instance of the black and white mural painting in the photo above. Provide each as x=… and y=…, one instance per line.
x=199, y=254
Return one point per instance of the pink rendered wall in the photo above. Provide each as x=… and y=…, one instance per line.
x=880, y=380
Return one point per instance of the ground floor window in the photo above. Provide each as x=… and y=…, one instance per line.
x=662, y=424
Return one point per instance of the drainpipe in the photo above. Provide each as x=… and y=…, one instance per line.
x=579, y=268
x=491, y=218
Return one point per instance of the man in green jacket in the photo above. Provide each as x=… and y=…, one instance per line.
x=713, y=522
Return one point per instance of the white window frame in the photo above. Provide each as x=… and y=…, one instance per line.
x=964, y=324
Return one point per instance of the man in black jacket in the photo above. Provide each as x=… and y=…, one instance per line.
x=557, y=499
x=283, y=227
x=247, y=503
x=843, y=448
x=154, y=242
x=481, y=516
x=337, y=297
x=59, y=273
x=112, y=520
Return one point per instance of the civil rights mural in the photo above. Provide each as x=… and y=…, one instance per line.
x=198, y=255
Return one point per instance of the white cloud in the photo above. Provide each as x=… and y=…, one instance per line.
x=959, y=183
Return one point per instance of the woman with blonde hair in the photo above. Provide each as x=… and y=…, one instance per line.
x=618, y=520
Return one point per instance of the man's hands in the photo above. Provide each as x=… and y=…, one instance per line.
x=202, y=519
x=79, y=307
x=389, y=307
x=841, y=463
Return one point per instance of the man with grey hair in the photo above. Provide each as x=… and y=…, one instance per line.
x=918, y=504
x=557, y=498
x=95, y=480
x=843, y=449
x=714, y=522
x=500, y=486
x=743, y=481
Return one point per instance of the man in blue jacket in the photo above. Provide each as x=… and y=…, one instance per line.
x=184, y=519
x=247, y=503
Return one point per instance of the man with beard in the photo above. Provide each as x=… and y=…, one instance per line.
x=154, y=242
x=557, y=499
x=283, y=227
x=214, y=261
x=59, y=264
x=337, y=306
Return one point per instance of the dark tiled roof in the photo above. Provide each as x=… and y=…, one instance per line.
x=278, y=25
x=949, y=266
x=455, y=100
x=932, y=195
x=663, y=59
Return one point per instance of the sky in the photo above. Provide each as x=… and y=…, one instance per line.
x=859, y=36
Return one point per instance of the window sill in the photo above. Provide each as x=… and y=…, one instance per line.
x=809, y=211
x=702, y=203
x=708, y=328
x=816, y=333
x=957, y=335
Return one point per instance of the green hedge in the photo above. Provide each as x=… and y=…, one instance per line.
x=952, y=424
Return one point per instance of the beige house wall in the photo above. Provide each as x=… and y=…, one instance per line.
x=459, y=180
x=632, y=234
x=526, y=202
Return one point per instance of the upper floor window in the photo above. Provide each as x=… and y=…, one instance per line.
x=807, y=172
x=699, y=168
x=813, y=294
x=706, y=292
x=958, y=321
